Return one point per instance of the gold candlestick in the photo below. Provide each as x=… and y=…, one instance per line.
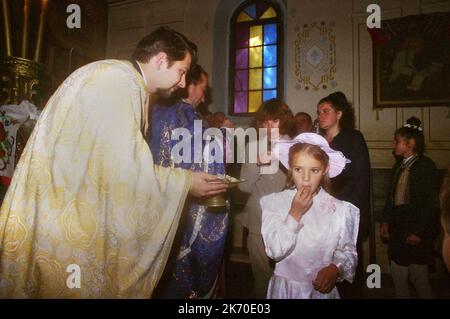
x=26, y=14
x=7, y=29
x=37, y=52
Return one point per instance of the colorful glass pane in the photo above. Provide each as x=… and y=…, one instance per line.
x=254, y=101
x=270, y=13
x=269, y=94
x=251, y=11
x=242, y=36
x=270, y=78
x=242, y=59
x=243, y=17
x=240, y=102
x=256, y=36
x=270, y=33
x=255, y=72
x=255, y=82
x=270, y=55
x=255, y=57
x=241, y=80
x=261, y=7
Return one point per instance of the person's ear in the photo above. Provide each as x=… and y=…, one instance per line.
x=161, y=60
x=339, y=114
x=326, y=170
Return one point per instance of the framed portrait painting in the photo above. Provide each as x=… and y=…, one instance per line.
x=411, y=61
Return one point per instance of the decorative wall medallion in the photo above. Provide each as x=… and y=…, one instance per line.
x=315, y=56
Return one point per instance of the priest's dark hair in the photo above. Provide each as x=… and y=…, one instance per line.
x=167, y=40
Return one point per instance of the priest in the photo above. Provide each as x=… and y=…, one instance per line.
x=86, y=204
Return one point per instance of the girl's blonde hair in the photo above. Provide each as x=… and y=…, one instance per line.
x=315, y=152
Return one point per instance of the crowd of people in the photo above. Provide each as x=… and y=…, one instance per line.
x=98, y=187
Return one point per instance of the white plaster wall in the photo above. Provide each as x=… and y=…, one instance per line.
x=199, y=23
x=130, y=20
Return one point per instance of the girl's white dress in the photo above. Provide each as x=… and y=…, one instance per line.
x=325, y=234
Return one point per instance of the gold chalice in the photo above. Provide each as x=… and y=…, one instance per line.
x=220, y=199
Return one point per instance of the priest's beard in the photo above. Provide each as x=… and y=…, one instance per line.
x=164, y=93
x=170, y=96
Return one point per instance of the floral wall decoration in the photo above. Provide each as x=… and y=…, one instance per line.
x=315, y=56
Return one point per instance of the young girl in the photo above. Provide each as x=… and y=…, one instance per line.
x=410, y=220
x=310, y=234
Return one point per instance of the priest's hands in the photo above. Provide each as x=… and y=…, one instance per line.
x=202, y=188
x=326, y=279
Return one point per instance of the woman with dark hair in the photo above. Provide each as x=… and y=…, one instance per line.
x=410, y=219
x=273, y=114
x=337, y=123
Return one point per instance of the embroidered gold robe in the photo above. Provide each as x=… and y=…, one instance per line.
x=86, y=193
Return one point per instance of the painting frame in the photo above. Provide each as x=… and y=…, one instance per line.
x=411, y=61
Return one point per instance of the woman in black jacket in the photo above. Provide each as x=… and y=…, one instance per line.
x=337, y=124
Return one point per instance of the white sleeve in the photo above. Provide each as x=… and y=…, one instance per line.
x=345, y=256
x=279, y=232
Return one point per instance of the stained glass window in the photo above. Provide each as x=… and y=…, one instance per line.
x=256, y=51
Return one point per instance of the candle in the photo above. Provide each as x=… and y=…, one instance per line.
x=26, y=14
x=37, y=52
x=7, y=29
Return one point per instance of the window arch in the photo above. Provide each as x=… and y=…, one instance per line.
x=256, y=54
